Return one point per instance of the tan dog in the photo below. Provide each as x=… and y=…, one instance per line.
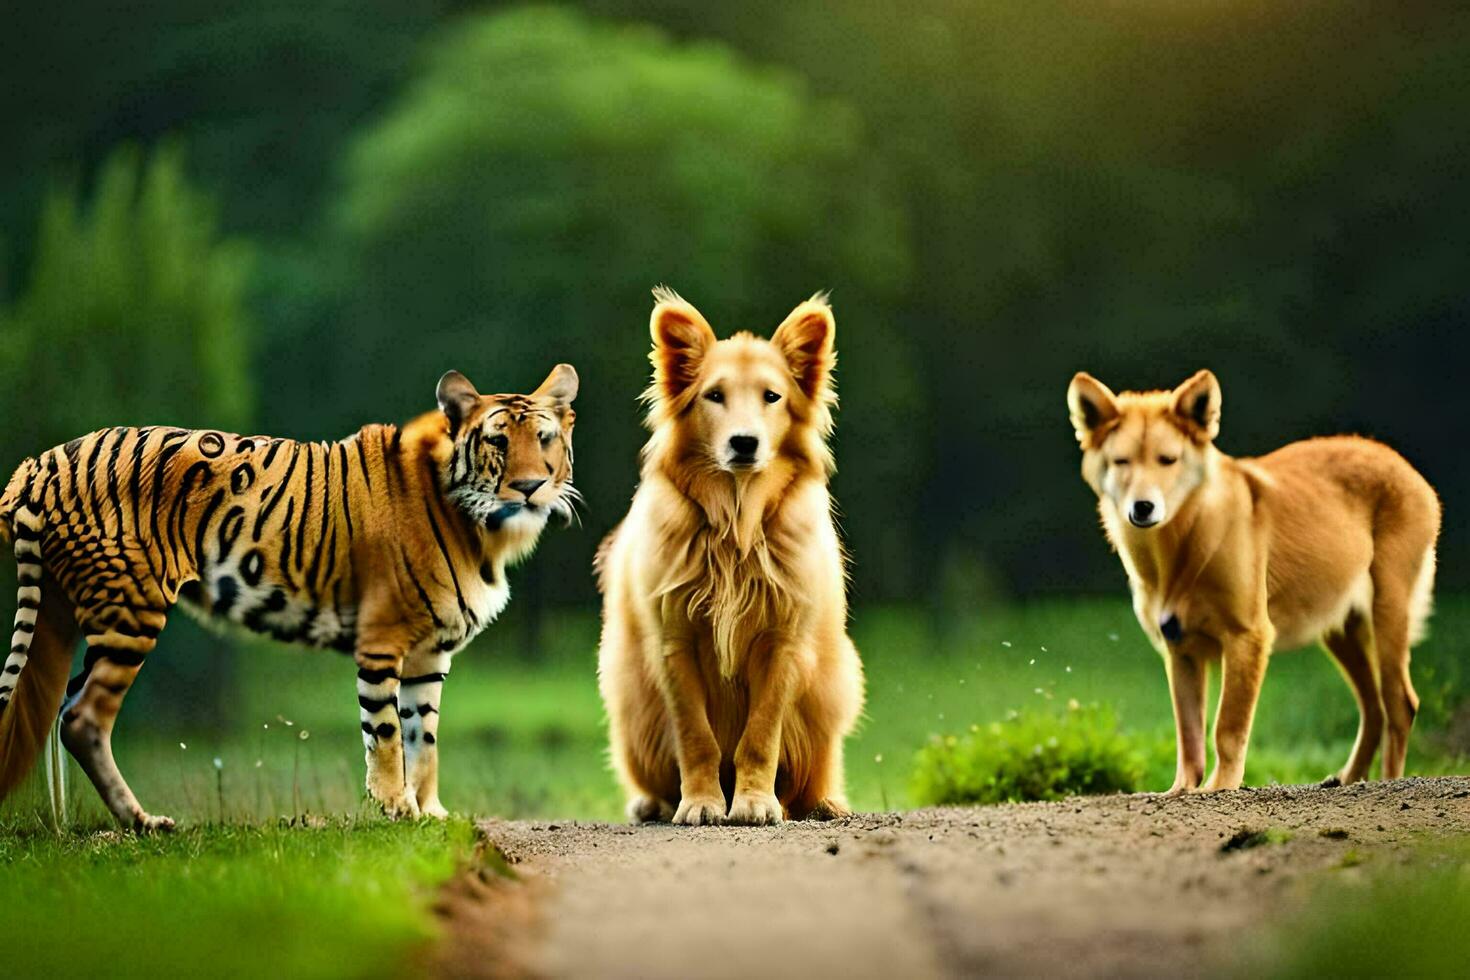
x=1230, y=559
x=725, y=663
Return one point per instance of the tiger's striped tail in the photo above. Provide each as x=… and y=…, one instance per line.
x=26, y=528
x=29, y=699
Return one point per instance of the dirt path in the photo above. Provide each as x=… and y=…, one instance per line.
x=1115, y=886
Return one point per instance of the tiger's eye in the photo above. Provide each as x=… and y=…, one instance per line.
x=499, y=442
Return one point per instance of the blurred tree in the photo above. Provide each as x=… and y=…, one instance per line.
x=133, y=314
x=514, y=207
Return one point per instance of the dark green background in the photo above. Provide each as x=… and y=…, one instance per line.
x=997, y=195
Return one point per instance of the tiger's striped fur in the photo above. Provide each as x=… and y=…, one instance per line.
x=390, y=545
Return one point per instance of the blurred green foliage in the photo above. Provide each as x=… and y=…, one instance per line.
x=997, y=194
x=1035, y=755
x=134, y=312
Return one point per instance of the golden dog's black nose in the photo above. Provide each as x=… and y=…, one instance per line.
x=744, y=445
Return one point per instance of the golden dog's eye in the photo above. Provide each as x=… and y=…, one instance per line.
x=772, y=397
x=1120, y=461
x=1168, y=460
x=499, y=442
x=715, y=395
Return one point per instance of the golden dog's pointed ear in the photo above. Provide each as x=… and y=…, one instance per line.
x=560, y=385
x=681, y=338
x=457, y=398
x=1197, y=404
x=1093, y=408
x=807, y=339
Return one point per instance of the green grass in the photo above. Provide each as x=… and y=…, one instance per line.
x=344, y=899
x=241, y=891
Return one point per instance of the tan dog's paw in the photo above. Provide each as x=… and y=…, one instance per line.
x=434, y=809
x=150, y=824
x=697, y=811
x=755, y=810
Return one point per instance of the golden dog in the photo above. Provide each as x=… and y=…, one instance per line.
x=1230, y=559
x=725, y=665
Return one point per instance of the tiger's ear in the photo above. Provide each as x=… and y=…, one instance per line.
x=681, y=338
x=1197, y=404
x=1093, y=407
x=560, y=386
x=807, y=339
x=457, y=398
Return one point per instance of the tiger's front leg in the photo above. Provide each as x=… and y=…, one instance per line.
x=379, y=676
x=418, y=709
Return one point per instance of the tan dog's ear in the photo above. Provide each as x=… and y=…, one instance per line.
x=1197, y=404
x=1093, y=407
x=681, y=338
x=560, y=386
x=457, y=398
x=806, y=338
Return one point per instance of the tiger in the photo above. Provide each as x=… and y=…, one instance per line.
x=390, y=545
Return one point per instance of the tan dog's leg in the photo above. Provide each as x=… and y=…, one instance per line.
x=1243, y=670
x=759, y=752
x=1352, y=647
x=1187, y=686
x=701, y=800
x=1400, y=701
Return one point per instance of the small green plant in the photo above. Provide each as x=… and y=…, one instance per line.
x=1033, y=755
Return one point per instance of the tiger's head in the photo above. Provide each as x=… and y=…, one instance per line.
x=511, y=463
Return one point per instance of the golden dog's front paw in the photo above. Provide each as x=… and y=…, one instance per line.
x=755, y=810
x=434, y=809
x=698, y=811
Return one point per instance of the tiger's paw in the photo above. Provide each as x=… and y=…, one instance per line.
x=399, y=807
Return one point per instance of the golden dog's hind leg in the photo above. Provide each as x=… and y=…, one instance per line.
x=701, y=800
x=823, y=797
x=1187, y=690
x=758, y=753
x=118, y=640
x=1352, y=648
x=1243, y=669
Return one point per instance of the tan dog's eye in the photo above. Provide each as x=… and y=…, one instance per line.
x=1168, y=460
x=499, y=442
x=772, y=397
x=715, y=395
x=1120, y=461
